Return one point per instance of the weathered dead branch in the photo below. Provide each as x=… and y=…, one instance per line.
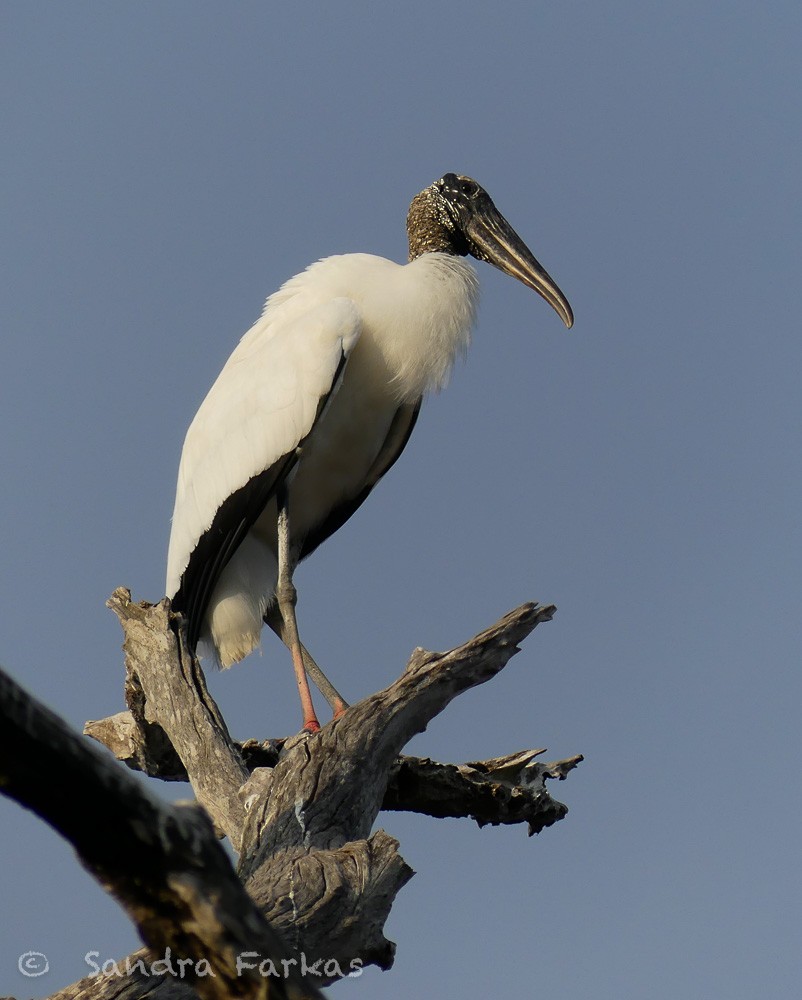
x=300, y=811
x=163, y=682
x=505, y=790
x=164, y=864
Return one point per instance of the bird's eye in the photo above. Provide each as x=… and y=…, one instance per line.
x=469, y=187
x=457, y=185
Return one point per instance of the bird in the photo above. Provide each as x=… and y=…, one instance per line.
x=312, y=409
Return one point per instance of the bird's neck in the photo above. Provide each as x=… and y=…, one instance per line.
x=423, y=322
x=430, y=230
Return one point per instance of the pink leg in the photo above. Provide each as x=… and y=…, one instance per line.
x=287, y=597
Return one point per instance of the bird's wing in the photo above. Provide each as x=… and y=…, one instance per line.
x=242, y=443
x=397, y=437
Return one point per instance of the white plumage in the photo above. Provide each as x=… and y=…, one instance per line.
x=265, y=401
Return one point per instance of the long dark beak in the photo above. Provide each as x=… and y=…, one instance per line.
x=494, y=240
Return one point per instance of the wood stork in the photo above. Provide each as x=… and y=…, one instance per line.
x=314, y=406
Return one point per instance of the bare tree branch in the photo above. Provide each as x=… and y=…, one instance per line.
x=488, y=791
x=480, y=790
x=162, y=863
x=176, y=698
x=300, y=811
x=307, y=856
x=475, y=790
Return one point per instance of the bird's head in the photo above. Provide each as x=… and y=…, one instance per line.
x=456, y=215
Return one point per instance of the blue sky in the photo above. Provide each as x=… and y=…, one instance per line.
x=167, y=166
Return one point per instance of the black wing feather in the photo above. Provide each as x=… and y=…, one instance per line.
x=232, y=522
x=397, y=437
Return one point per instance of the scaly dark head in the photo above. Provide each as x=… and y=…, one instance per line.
x=456, y=215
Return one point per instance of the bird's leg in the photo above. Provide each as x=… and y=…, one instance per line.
x=338, y=704
x=287, y=597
